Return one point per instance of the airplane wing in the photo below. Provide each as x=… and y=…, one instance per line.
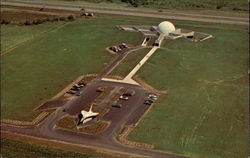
x=93, y=114
x=84, y=113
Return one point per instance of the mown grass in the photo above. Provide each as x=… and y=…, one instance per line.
x=205, y=113
x=129, y=62
x=37, y=70
x=16, y=149
x=12, y=35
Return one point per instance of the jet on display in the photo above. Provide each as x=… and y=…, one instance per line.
x=87, y=116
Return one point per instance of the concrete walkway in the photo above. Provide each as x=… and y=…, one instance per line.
x=131, y=81
x=128, y=79
x=139, y=65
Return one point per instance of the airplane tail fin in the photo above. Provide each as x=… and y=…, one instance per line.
x=90, y=109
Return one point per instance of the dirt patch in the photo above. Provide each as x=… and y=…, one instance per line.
x=95, y=128
x=110, y=51
x=21, y=15
x=67, y=123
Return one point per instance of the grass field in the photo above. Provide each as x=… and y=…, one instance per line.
x=205, y=113
x=16, y=149
x=12, y=35
x=129, y=62
x=225, y=5
x=35, y=71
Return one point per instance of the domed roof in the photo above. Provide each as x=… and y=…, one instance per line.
x=166, y=27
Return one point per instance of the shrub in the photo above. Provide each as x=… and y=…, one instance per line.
x=37, y=21
x=47, y=19
x=27, y=22
x=5, y=22
x=71, y=18
x=54, y=19
x=62, y=18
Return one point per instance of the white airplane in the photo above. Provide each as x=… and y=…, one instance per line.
x=86, y=116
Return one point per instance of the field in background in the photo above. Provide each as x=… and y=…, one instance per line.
x=218, y=5
x=13, y=149
x=205, y=113
x=40, y=68
x=129, y=62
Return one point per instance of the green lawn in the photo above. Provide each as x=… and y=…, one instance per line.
x=12, y=35
x=37, y=70
x=205, y=113
x=16, y=149
x=129, y=62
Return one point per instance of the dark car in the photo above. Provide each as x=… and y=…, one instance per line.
x=129, y=93
x=75, y=89
x=81, y=83
x=76, y=86
x=79, y=93
x=117, y=105
x=100, y=89
x=147, y=102
x=150, y=100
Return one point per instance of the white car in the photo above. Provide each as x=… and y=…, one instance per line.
x=123, y=97
x=152, y=96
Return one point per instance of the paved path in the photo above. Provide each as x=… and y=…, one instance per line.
x=139, y=65
x=128, y=79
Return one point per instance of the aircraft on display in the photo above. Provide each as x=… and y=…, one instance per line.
x=86, y=116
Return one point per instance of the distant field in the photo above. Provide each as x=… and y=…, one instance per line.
x=35, y=71
x=228, y=5
x=16, y=149
x=129, y=62
x=12, y=14
x=205, y=113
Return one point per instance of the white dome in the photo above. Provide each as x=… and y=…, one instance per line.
x=166, y=27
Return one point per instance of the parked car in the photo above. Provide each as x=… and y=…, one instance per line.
x=76, y=86
x=147, y=102
x=100, y=89
x=123, y=97
x=79, y=93
x=129, y=93
x=122, y=46
x=75, y=89
x=71, y=92
x=150, y=100
x=152, y=96
x=117, y=105
x=82, y=83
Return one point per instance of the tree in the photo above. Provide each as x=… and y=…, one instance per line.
x=71, y=18
x=220, y=4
